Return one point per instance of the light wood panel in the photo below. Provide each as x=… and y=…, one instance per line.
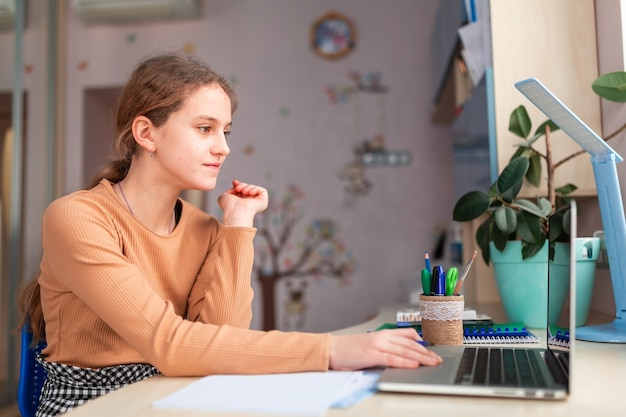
x=555, y=42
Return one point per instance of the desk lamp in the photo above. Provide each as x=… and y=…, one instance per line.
x=603, y=160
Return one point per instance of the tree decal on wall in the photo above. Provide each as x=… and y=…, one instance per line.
x=316, y=253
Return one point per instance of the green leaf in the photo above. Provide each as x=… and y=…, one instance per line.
x=505, y=219
x=483, y=237
x=545, y=206
x=512, y=176
x=567, y=219
x=566, y=189
x=533, y=175
x=530, y=207
x=509, y=195
x=541, y=130
x=563, y=201
x=611, y=86
x=523, y=151
x=499, y=239
x=529, y=227
x=530, y=249
x=520, y=151
x=471, y=206
x=556, y=226
x=519, y=122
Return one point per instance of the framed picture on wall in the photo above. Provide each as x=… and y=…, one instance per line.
x=333, y=36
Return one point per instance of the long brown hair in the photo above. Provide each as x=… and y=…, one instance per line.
x=157, y=87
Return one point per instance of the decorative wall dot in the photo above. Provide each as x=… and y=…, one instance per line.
x=189, y=48
x=131, y=38
x=248, y=150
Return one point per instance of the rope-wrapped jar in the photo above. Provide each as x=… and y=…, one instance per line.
x=442, y=319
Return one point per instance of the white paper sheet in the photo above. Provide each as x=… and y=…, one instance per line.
x=306, y=394
x=474, y=53
x=476, y=40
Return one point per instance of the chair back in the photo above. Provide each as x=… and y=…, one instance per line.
x=32, y=375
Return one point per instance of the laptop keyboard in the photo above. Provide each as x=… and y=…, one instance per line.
x=509, y=367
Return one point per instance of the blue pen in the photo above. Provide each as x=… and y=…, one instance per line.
x=438, y=283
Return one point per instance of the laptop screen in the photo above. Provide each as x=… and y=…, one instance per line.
x=562, y=293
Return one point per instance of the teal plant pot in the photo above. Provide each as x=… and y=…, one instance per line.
x=523, y=283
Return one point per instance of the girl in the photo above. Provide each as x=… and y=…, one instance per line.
x=135, y=281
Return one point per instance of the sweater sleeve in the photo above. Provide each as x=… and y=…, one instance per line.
x=82, y=251
x=222, y=293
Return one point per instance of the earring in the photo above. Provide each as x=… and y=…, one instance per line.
x=151, y=154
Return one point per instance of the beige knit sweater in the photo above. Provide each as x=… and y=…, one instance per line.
x=114, y=293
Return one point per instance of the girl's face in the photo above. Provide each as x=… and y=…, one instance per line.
x=191, y=146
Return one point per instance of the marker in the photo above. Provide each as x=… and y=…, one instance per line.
x=452, y=277
x=426, y=281
x=438, y=283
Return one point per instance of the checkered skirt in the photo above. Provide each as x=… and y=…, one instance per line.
x=69, y=386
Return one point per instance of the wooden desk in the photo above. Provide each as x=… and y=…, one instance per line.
x=598, y=389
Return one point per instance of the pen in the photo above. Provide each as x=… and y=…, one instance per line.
x=427, y=262
x=459, y=283
x=421, y=342
x=438, y=282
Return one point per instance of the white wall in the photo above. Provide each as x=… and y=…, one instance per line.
x=296, y=133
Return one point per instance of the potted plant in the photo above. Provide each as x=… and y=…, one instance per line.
x=522, y=227
x=520, y=232
x=508, y=218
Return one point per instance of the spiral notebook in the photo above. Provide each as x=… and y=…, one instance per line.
x=486, y=333
x=503, y=333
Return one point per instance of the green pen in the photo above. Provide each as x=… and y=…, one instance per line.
x=426, y=281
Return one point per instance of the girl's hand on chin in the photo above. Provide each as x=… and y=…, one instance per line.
x=242, y=202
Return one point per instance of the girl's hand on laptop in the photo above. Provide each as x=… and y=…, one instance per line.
x=395, y=348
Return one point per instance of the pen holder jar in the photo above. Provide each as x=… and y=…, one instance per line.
x=442, y=319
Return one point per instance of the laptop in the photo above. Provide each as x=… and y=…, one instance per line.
x=476, y=370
